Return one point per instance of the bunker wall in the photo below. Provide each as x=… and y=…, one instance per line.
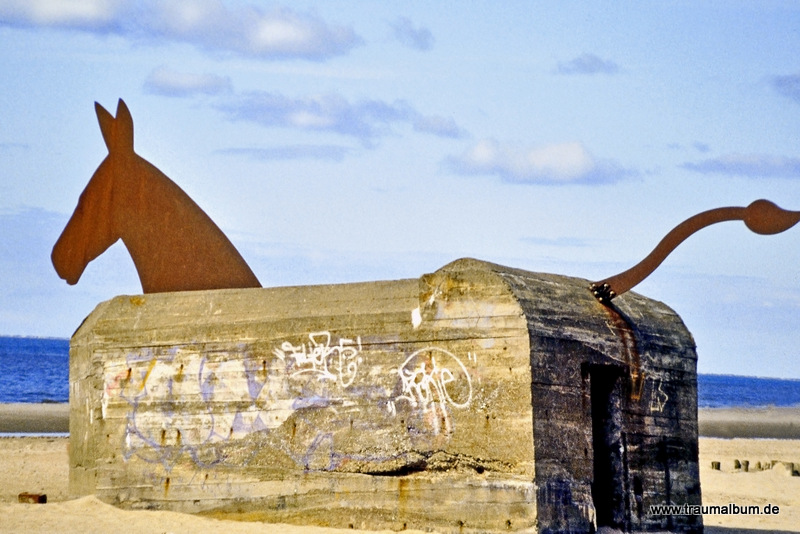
x=476, y=398
x=385, y=404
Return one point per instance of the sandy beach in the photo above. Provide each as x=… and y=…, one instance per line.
x=758, y=451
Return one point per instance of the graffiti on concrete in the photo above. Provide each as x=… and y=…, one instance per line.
x=318, y=357
x=433, y=379
x=659, y=397
x=197, y=404
x=167, y=379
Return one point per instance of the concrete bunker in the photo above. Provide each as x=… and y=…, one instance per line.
x=476, y=398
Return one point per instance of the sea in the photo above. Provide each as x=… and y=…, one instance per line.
x=37, y=370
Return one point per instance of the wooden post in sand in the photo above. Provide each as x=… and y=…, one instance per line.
x=476, y=398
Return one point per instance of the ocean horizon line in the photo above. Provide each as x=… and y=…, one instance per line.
x=733, y=375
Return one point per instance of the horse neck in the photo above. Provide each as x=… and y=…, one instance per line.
x=174, y=244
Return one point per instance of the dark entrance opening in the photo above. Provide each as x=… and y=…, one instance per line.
x=610, y=465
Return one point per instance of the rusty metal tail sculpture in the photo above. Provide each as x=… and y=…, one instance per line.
x=174, y=245
x=762, y=217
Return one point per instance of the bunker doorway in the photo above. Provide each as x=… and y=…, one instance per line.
x=610, y=464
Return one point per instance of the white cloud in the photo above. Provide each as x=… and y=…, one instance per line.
x=587, y=64
x=90, y=15
x=438, y=125
x=404, y=31
x=281, y=33
x=331, y=112
x=750, y=165
x=565, y=163
x=167, y=82
x=208, y=24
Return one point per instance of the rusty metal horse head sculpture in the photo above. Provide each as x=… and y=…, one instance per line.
x=175, y=246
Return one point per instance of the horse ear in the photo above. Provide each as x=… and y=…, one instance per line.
x=124, y=127
x=106, y=121
x=117, y=132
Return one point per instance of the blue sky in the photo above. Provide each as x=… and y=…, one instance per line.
x=352, y=141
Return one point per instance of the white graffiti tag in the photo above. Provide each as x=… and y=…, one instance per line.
x=338, y=362
x=659, y=399
x=433, y=379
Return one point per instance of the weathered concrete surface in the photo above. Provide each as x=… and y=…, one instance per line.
x=473, y=399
